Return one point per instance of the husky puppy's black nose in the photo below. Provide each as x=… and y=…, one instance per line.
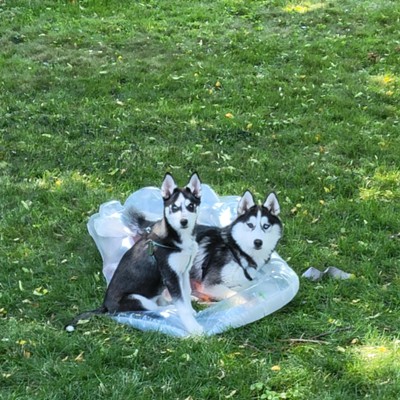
x=258, y=243
x=184, y=222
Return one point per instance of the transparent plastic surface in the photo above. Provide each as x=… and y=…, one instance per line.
x=274, y=286
x=273, y=291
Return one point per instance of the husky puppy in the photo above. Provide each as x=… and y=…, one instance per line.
x=161, y=259
x=229, y=258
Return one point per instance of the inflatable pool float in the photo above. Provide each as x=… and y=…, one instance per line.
x=275, y=286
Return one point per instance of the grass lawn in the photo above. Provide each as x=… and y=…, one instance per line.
x=100, y=98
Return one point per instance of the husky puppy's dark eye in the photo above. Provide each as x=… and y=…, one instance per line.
x=174, y=208
x=266, y=226
x=250, y=225
x=191, y=207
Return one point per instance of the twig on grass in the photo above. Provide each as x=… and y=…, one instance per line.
x=301, y=340
x=315, y=339
x=345, y=328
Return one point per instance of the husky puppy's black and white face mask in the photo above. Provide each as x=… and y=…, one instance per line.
x=181, y=205
x=257, y=229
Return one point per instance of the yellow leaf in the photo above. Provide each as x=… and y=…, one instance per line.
x=40, y=291
x=276, y=368
x=229, y=115
x=231, y=394
x=79, y=357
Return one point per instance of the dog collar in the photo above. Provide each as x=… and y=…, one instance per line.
x=246, y=274
x=151, y=244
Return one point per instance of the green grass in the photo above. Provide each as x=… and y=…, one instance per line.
x=100, y=98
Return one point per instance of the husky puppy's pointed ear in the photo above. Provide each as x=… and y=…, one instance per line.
x=168, y=186
x=246, y=202
x=194, y=185
x=271, y=203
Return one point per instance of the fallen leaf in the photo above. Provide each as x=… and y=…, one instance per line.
x=40, y=291
x=79, y=357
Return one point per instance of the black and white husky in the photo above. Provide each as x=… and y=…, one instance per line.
x=229, y=258
x=160, y=260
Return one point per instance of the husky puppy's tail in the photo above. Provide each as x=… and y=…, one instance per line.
x=84, y=316
x=136, y=221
